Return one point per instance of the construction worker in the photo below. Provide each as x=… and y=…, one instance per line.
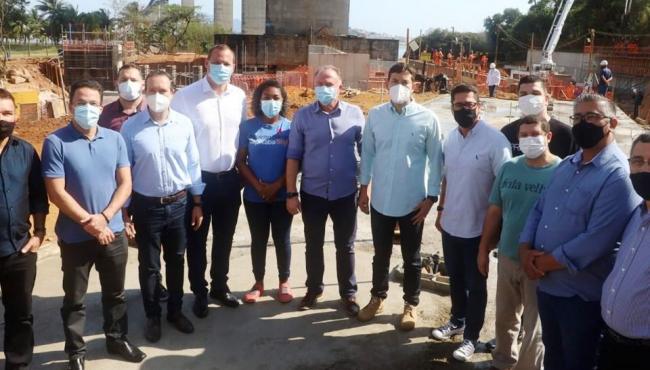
x=324, y=142
x=533, y=100
x=158, y=209
x=493, y=79
x=570, y=238
x=88, y=178
x=625, y=302
x=484, y=62
x=22, y=190
x=516, y=189
x=216, y=108
x=474, y=152
x=637, y=100
x=392, y=154
x=605, y=77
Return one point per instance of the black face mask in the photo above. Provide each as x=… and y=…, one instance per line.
x=6, y=129
x=586, y=134
x=641, y=184
x=465, y=117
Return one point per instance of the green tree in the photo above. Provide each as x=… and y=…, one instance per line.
x=58, y=15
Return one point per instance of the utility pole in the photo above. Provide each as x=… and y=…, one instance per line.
x=532, y=49
x=496, y=49
x=408, y=47
x=592, y=34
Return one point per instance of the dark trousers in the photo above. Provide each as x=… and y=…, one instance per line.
x=343, y=213
x=571, y=330
x=17, y=275
x=262, y=219
x=157, y=227
x=493, y=90
x=110, y=262
x=468, y=288
x=221, y=200
x=383, y=228
x=617, y=354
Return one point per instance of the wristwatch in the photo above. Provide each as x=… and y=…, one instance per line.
x=292, y=195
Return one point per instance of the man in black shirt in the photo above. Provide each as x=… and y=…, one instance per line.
x=22, y=194
x=533, y=100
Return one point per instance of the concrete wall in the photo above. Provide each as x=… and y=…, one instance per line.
x=573, y=64
x=223, y=14
x=354, y=67
x=303, y=17
x=253, y=17
x=287, y=52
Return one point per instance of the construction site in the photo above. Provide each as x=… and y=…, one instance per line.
x=288, y=40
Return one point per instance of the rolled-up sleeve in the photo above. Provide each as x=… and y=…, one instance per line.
x=296, y=146
x=611, y=212
x=53, y=166
x=434, y=157
x=37, y=194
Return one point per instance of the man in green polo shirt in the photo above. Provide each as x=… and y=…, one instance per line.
x=515, y=191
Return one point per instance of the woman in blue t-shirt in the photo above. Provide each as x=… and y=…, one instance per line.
x=261, y=162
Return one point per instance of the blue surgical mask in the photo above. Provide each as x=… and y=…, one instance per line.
x=220, y=73
x=325, y=94
x=86, y=116
x=271, y=108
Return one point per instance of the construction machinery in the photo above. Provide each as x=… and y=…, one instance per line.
x=553, y=37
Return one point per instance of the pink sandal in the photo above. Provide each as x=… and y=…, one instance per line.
x=255, y=293
x=285, y=295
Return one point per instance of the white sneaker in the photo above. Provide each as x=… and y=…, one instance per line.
x=447, y=331
x=465, y=351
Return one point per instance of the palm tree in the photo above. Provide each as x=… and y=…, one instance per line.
x=55, y=13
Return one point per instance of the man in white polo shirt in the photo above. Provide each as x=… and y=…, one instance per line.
x=216, y=109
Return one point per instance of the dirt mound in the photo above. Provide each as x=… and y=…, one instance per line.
x=36, y=131
x=35, y=81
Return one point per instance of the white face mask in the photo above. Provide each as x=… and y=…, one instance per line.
x=531, y=105
x=533, y=146
x=400, y=94
x=130, y=90
x=158, y=103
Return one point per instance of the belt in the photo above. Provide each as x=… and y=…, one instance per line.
x=618, y=338
x=165, y=200
x=222, y=173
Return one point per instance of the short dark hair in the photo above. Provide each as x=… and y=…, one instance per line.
x=531, y=79
x=6, y=95
x=220, y=47
x=257, y=97
x=534, y=120
x=643, y=138
x=159, y=72
x=128, y=66
x=464, y=88
x=607, y=106
x=401, y=68
x=90, y=84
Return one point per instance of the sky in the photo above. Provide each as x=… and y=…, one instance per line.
x=391, y=17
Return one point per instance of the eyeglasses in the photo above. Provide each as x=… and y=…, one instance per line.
x=590, y=117
x=468, y=105
x=637, y=163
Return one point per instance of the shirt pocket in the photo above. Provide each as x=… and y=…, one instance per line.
x=579, y=201
x=416, y=140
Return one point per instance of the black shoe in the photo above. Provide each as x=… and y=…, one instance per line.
x=200, y=307
x=126, y=350
x=225, y=298
x=152, y=330
x=309, y=301
x=163, y=293
x=182, y=323
x=77, y=363
x=350, y=306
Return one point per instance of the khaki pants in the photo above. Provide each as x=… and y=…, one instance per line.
x=516, y=300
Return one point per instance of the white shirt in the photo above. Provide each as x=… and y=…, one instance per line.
x=216, y=120
x=471, y=164
x=493, y=77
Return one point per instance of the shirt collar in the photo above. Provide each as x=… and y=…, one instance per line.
x=600, y=159
x=317, y=108
x=406, y=110
x=207, y=88
x=79, y=135
x=476, y=129
x=149, y=119
x=141, y=107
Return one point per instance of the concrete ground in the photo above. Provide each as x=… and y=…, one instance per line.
x=271, y=335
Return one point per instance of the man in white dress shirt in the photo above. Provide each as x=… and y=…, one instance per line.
x=216, y=109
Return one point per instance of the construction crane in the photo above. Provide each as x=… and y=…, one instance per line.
x=553, y=37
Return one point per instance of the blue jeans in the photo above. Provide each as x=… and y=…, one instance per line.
x=262, y=219
x=468, y=288
x=571, y=331
x=344, y=219
x=221, y=201
x=157, y=227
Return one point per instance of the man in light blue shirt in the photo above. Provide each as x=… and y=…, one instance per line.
x=570, y=236
x=402, y=144
x=165, y=164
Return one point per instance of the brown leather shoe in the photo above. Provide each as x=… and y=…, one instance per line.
x=350, y=306
x=309, y=301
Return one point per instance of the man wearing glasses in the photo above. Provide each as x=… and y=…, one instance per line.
x=473, y=155
x=624, y=302
x=571, y=234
